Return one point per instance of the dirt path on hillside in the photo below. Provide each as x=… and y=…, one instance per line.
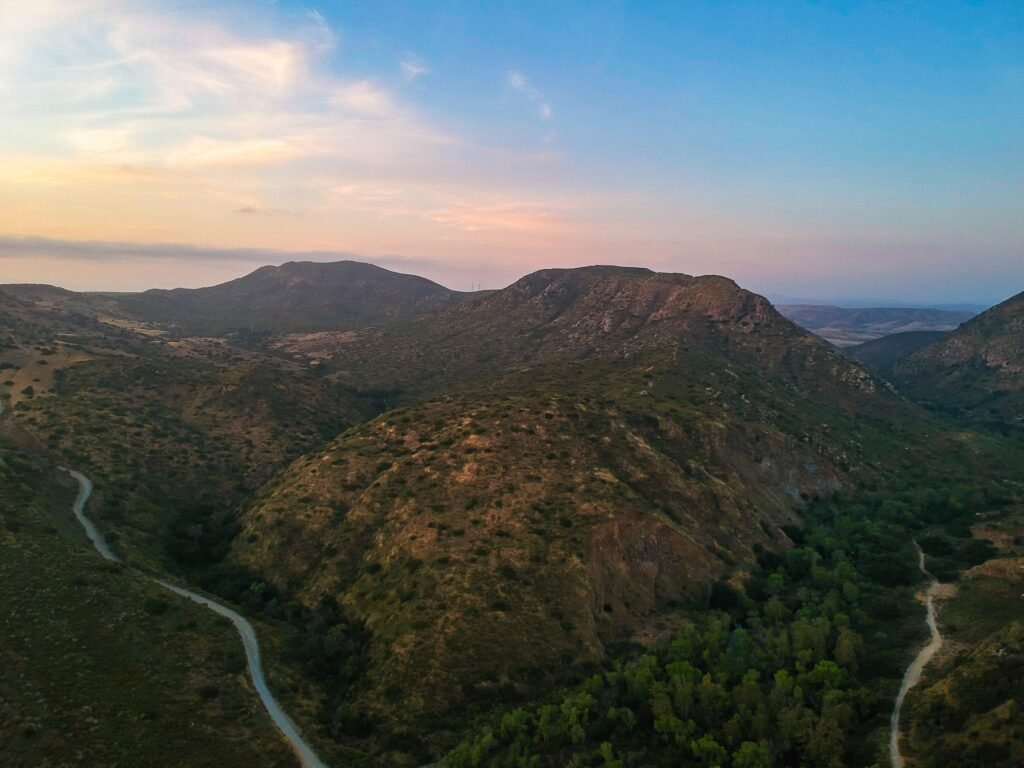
x=307, y=756
x=913, y=673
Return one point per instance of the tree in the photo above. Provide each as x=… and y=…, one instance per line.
x=751, y=755
x=849, y=649
x=608, y=755
x=575, y=715
x=709, y=752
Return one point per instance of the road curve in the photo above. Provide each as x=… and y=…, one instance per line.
x=307, y=757
x=913, y=674
x=84, y=492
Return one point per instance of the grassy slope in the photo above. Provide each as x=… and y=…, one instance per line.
x=99, y=667
x=173, y=442
x=173, y=432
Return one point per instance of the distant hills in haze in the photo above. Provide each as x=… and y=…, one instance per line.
x=846, y=326
x=854, y=302
x=296, y=296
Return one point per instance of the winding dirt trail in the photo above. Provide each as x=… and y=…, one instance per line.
x=307, y=756
x=913, y=674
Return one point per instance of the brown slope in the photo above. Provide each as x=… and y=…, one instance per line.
x=628, y=437
x=174, y=431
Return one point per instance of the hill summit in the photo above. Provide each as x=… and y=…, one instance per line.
x=296, y=296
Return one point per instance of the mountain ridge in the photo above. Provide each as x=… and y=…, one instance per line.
x=294, y=296
x=976, y=372
x=629, y=436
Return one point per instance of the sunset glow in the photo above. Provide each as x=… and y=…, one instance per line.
x=476, y=146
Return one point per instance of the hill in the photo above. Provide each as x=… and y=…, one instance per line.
x=628, y=439
x=561, y=490
x=977, y=372
x=845, y=326
x=591, y=313
x=880, y=355
x=966, y=711
x=297, y=296
x=173, y=430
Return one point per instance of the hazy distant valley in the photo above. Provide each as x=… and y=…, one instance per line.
x=849, y=327
x=603, y=516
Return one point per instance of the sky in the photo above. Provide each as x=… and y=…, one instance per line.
x=819, y=149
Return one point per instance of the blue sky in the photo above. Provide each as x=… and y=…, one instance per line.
x=822, y=149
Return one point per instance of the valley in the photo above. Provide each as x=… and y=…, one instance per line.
x=849, y=327
x=601, y=516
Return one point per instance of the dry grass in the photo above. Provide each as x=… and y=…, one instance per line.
x=35, y=367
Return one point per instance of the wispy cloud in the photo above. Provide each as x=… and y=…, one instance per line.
x=518, y=82
x=45, y=247
x=413, y=66
x=242, y=125
x=101, y=251
x=363, y=97
x=93, y=81
x=513, y=216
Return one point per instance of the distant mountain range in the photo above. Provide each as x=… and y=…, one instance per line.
x=846, y=326
x=866, y=301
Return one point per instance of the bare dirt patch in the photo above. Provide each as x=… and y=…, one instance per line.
x=33, y=374
x=1007, y=568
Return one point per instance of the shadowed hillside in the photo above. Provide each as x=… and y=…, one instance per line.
x=976, y=372
x=99, y=668
x=880, y=355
